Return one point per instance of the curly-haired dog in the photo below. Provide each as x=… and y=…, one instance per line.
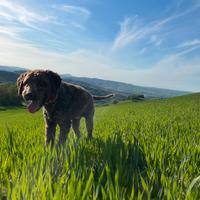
x=63, y=103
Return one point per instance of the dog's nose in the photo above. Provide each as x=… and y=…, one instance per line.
x=28, y=96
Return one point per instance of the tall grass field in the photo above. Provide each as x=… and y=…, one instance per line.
x=141, y=150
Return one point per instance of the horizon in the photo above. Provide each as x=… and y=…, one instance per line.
x=71, y=75
x=149, y=44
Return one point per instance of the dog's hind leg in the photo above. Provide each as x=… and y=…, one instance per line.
x=75, y=126
x=89, y=125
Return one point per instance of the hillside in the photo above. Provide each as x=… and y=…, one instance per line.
x=11, y=68
x=8, y=77
x=11, y=77
x=145, y=150
x=149, y=92
x=100, y=86
x=98, y=90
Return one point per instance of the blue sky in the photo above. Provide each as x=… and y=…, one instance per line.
x=143, y=42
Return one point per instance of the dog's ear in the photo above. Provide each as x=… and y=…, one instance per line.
x=55, y=80
x=20, y=83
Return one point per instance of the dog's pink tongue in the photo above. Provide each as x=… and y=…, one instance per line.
x=32, y=107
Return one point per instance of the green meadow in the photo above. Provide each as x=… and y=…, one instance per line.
x=140, y=150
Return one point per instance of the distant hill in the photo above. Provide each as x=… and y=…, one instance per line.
x=97, y=90
x=11, y=77
x=8, y=77
x=11, y=69
x=128, y=89
x=99, y=86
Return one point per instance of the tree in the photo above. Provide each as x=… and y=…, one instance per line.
x=8, y=95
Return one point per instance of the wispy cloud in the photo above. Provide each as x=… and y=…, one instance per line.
x=132, y=29
x=74, y=10
x=189, y=43
x=129, y=32
x=8, y=31
x=18, y=15
x=79, y=62
x=156, y=40
x=19, y=20
x=75, y=16
x=170, y=72
x=142, y=51
x=68, y=49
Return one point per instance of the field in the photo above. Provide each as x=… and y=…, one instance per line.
x=145, y=150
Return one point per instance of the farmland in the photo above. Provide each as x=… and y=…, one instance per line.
x=141, y=150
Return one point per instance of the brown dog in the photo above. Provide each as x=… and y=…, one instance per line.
x=63, y=103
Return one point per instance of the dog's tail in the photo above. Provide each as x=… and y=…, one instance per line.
x=102, y=97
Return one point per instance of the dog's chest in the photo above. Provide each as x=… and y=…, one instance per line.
x=53, y=115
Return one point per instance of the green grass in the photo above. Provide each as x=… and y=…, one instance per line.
x=147, y=150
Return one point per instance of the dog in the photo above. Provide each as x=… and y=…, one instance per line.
x=64, y=104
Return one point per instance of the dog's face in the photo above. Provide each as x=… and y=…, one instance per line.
x=38, y=87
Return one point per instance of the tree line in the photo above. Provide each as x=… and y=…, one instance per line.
x=8, y=95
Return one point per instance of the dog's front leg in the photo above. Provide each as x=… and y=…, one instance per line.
x=50, y=129
x=64, y=130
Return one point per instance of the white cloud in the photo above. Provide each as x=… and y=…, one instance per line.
x=195, y=42
x=132, y=29
x=18, y=21
x=80, y=62
x=20, y=13
x=156, y=40
x=13, y=12
x=171, y=72
x=8, y=31
x=74, y=10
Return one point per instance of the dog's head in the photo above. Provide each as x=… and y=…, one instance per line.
x=38, y=87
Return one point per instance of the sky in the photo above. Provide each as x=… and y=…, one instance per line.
x=143, y=42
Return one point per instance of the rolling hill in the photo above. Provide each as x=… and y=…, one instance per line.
x=11, y=68
x=8, y=77
x=99, y=86
x=127, y=89
x=145, y=150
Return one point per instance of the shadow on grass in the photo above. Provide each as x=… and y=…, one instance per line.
x=113, y=160
x=3, y=193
